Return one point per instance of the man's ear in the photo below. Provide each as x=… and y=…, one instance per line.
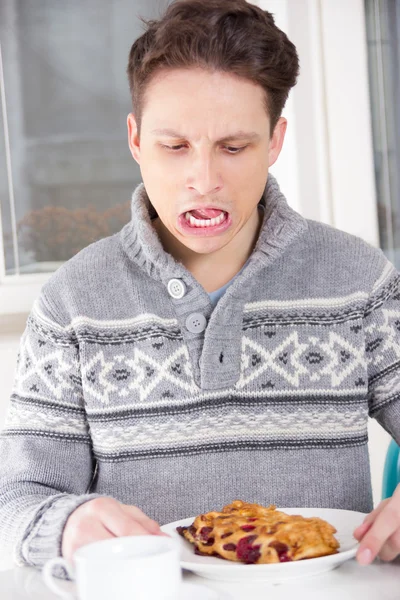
x=276, y=141
x=133, y=137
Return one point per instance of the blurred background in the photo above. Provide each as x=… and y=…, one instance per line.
x=67, y=98
x=66, y=173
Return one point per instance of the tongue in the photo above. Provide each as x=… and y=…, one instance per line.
x=206, y=213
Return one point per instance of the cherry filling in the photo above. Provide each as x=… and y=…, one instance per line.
x=282, y=551
x=225, y=535
x=181, y=530
x=246, y=552
x=200, y=553
x=230, y=547
x=205, y=536
x=205, y=532
x=209, y=542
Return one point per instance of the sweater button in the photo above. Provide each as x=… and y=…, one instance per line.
x=176, y=288
x=196, y=323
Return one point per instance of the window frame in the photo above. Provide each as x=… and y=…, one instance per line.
x=332, y=186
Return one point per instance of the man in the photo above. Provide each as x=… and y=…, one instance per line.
x=220, y=346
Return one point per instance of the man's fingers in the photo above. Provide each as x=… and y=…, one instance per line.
x=384, y=526
x=101, y=519
x=111, y=514
x=152, y=526
x=391, y=548
x=362, y=530
x=369, y=520
x=149, y=524
x=121, y=523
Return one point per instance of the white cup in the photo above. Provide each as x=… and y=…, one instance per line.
x=143, y=567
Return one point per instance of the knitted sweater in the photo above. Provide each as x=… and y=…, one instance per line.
x=130, y=384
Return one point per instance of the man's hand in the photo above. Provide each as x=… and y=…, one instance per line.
x=102, y=519
x=379, y=534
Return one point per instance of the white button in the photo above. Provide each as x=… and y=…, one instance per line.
x=176, y=288
x=196, y=323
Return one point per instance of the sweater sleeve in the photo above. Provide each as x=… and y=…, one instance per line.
x=47, y=464
x=382, y=346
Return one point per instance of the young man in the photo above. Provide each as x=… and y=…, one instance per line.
x=220, y=346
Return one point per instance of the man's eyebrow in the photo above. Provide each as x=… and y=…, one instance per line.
x=238, y=135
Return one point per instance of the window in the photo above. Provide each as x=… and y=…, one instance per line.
x=66, y=173
x=383, y=36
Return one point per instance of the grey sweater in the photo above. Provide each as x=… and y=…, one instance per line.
x=130, y=384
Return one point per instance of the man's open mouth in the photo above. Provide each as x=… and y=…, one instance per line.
x=209, y=217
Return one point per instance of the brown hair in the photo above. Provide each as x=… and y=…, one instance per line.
x=232, y=36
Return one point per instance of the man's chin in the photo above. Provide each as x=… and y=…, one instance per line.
x=203, y=247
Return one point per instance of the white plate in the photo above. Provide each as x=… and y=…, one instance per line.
x=345, y=521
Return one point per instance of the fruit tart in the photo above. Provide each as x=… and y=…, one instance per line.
x=254, y=534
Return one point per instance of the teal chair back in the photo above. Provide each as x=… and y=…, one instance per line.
x=391, y=472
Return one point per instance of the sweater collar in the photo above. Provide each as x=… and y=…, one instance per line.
x=280, y=227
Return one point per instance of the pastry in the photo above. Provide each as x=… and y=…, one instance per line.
x=254, y=534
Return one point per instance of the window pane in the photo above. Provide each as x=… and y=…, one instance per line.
x=67, y=100
x=383, y=36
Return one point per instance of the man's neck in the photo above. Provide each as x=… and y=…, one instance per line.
x=214, y=270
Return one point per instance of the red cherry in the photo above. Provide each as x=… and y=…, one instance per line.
x=230, y=547
x=282, y=551
x=204, y=533
x=246, y=552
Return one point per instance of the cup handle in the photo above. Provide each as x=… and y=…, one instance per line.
x=47, y=574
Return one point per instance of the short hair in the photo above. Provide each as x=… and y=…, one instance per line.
x=230, y=36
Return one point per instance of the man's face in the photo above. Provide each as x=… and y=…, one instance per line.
x=204, y=144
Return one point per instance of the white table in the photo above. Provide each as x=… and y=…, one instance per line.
x=380, y=581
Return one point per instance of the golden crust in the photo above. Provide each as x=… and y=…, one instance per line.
x=251, y=533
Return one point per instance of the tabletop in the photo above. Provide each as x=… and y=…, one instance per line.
x=379, y=581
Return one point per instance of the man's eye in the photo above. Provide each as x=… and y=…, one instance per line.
x=230, y=149
x=233, y=150
x=178, y=147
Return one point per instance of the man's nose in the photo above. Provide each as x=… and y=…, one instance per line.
x=204, y=177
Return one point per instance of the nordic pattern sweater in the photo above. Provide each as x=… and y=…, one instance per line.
x=130, y=384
